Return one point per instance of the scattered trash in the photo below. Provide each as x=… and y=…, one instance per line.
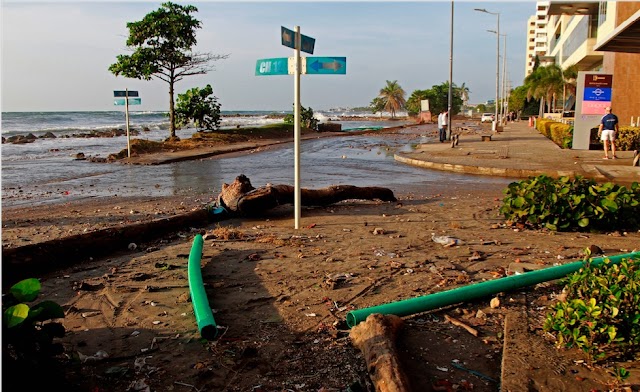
x=476, y=256
x=445, y=240
x=378, y=230
x=334, y=279
x=379, y=253
x=475, y=373
x=132, y=246
x=495, y=302
x=442, y=369
x=100, y=355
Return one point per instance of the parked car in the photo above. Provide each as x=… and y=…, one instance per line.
x=487, y=117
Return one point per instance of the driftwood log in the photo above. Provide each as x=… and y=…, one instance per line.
x=376, y=337
x=242, y=198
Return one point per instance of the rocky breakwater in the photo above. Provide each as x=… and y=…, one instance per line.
x=30, y=137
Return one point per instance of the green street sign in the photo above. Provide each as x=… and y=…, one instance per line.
x=289, y=38
x=276, y=66
x=326, y=65
x=132, y=101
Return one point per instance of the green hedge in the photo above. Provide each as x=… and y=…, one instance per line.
x=562, y=134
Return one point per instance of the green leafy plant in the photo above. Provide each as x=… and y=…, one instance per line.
x=28, y=333
x=572, y=204
x=306, y=118
x=200, y=107
x=601, y=313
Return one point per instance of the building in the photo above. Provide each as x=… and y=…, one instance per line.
x=537, y=44
x=594, y=36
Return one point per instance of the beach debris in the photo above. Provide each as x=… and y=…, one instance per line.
x=495, y=302
x=376, y=338
x=595, y=250
x=459, y=323
x=132, y=246
x=475, y=373
x=254, y=257
x=476, y=256
x=241, y=197
x=139, y=386
x=445, y=240
x=98, y=356
x=333, y=280
x=378, y=230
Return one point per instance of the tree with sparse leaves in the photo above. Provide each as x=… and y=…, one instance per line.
x=162, y=44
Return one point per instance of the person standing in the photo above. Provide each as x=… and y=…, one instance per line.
x=442, y=126
x=607, y=132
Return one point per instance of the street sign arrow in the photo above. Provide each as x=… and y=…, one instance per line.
x=326, y=65
x=289, y=38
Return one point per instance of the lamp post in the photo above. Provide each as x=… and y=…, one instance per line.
x=503, y=91
x=450, y=98
x=494, y=123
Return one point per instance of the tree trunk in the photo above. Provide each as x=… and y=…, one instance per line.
x=172, y=114
x=241, y=197
x=376, y=337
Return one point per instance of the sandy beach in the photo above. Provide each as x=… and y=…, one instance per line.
x=280, y=296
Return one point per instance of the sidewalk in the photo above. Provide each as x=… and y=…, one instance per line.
x=520, y=151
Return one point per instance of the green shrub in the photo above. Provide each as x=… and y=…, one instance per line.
x=572, y=204
x=628, y=139
x=199, y=106
x=601, y=313
x=28, y=333
x=560, y=133
x=306, y=118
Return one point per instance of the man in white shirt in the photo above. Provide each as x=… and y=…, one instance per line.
x=442, y=126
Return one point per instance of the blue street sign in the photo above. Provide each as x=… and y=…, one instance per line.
x=597, y=94
x=123, y=93
x=289, y=38
x=276, y=66
x=326, y=65
x=132, y=101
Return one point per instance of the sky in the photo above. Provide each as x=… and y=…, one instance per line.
x=55, y=55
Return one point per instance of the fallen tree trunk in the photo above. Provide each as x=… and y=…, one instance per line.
x=376, y=337
x=241, y=197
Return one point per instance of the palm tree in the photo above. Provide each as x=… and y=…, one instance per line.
x=393, y=97
x=545, y=83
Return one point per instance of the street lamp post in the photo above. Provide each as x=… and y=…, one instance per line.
x=495, y=120
x=503, y=91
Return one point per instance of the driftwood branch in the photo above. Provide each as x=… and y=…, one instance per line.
x=376, y=337
x=459, y=323
x=242, y=197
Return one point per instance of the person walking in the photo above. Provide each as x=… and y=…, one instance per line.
x=442, y=126
x=607, y=132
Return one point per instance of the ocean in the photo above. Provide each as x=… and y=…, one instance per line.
x=47, y=166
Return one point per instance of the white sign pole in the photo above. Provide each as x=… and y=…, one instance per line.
x=296, y=126
x=126, y=115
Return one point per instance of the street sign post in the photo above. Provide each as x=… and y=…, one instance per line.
x=297, y=65
x=126, y=101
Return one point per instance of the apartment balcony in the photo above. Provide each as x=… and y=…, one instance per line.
x=584, y=56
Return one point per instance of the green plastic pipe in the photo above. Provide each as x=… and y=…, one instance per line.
x=204, y=317
x=461, y=294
